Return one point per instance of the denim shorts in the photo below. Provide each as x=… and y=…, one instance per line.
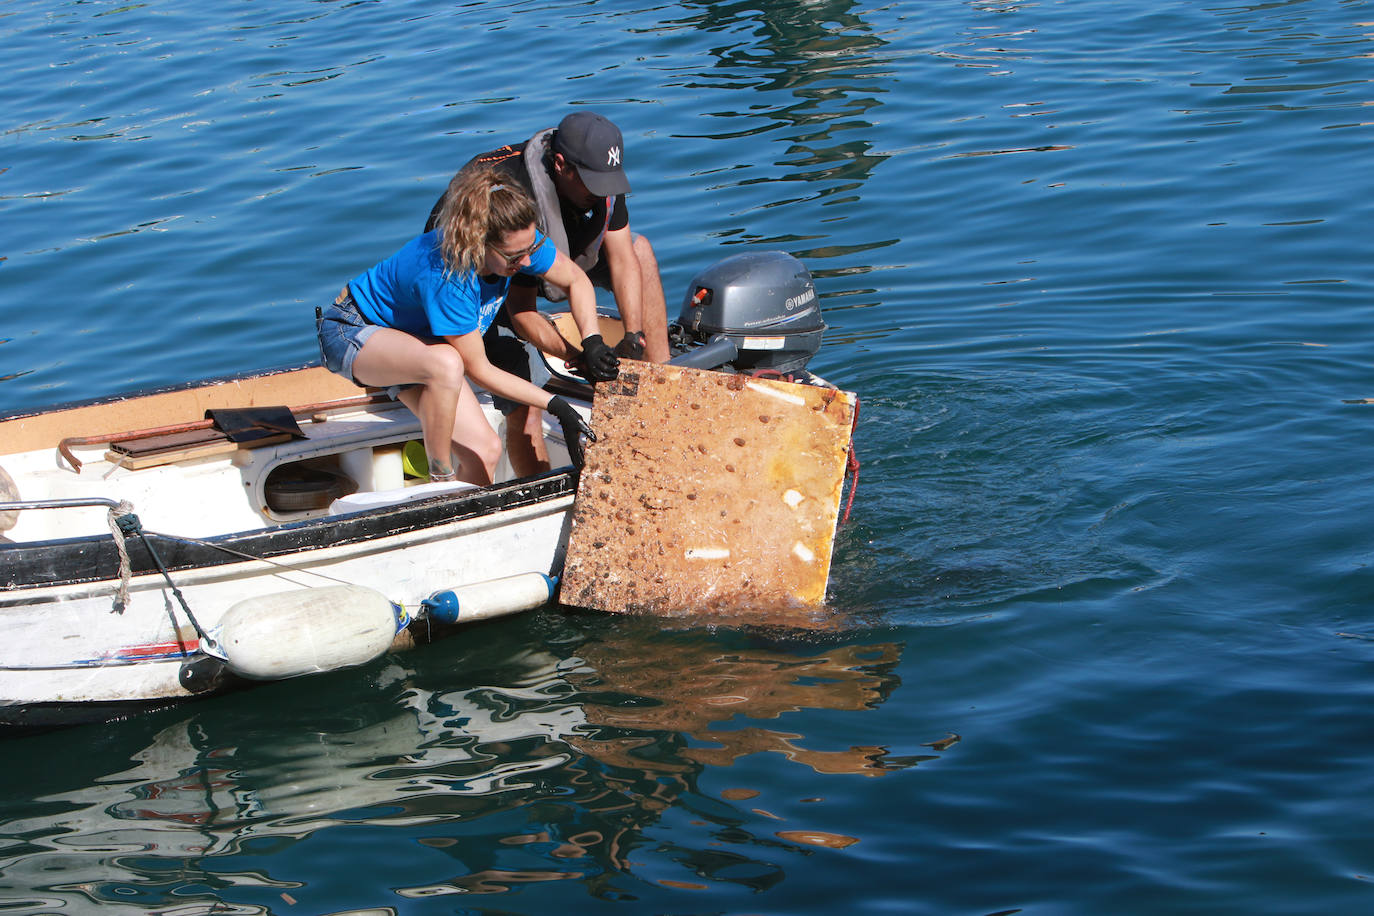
x=342, y=331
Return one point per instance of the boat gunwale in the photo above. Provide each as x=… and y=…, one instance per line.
x=30, y=429
x=251, y=375
x=94, y=558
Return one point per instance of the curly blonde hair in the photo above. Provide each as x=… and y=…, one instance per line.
x=479, y=208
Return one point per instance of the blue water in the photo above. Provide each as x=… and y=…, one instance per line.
x=1100, y=273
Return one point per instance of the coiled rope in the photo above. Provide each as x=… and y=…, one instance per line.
x=125, y=567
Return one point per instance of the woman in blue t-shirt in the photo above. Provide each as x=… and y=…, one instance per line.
x=417, y=319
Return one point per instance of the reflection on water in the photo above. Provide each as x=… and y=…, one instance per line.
x=560, y=770
x=1108, y=489
x=816, y=76
x=710, y=687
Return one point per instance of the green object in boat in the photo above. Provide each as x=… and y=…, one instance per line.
x=413, y=459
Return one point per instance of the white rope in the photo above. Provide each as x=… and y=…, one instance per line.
x=125, y=570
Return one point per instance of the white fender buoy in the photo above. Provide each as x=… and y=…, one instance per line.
x=493, y=598
x=9, y=493
x=306, y=631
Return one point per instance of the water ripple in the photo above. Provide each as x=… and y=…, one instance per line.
x=1099, y=275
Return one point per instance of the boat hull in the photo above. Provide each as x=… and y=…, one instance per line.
x=65, y=642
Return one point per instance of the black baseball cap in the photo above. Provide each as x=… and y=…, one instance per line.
x=594, y=146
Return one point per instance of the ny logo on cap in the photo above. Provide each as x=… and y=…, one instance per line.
x=613, y=156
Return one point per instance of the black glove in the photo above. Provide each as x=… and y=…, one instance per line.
x=574, y=428
x=598, y=361
x=631, y=346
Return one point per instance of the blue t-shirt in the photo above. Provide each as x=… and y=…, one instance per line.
x=409, y=292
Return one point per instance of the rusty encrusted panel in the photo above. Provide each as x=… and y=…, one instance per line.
x=706, y=491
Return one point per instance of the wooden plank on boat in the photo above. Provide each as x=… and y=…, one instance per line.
x=152, y=451
x=707, y=491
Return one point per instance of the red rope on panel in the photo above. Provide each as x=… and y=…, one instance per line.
x=851, y=467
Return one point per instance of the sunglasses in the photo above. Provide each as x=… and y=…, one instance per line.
x=513, y=260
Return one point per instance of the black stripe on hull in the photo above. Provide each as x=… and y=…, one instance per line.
x=74, y=561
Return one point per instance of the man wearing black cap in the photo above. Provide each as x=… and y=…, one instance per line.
x=575, y=174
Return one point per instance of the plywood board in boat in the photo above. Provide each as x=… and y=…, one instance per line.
x=297, y=386
x=706, y=491
x=136, y=454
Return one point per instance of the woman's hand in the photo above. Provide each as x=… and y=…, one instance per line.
x=598, y=360
x=574, y=428
x=582, y=303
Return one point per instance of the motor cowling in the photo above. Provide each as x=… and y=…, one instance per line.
x=762, y=302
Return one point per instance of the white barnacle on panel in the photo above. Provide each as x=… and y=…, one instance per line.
x=708, y=553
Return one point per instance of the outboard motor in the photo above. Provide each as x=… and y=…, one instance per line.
x=750, y=312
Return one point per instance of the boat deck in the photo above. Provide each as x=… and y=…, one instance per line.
x=160, y=454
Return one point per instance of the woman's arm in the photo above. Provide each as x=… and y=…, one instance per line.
x=581, y=296
x=478, y=368
x=498, y=381
x=534, y=326
x=598, y=361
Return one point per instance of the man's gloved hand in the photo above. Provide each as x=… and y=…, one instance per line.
x=598, y=361
x=574, y=428
x=631, y=346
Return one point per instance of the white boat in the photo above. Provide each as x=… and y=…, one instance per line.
x=172, y=544
x=138, y=568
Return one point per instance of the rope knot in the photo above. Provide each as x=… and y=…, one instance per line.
x=123, y=522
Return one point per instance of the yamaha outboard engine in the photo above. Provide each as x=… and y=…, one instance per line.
x=755, y=311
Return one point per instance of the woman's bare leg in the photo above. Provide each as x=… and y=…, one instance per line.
x=473, y=444
x=391, y=357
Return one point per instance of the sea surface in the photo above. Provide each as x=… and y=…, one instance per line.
x=1101, y=275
